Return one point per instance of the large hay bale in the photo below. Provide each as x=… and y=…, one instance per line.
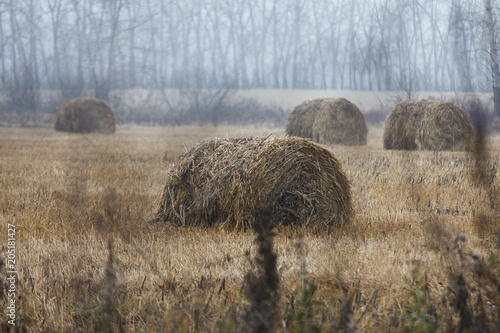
x=445, y=126
x=300, y=120
x=338, y=121
x=401, y=124
x=85, y=115
x=221, y=182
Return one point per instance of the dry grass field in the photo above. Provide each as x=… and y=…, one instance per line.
x=422, y=253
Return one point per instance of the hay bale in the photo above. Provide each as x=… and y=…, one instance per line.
x=338, y=121
x=445, y=126
x=401, y=124
x=221, y=182
x=85, y=115
x=300, y=120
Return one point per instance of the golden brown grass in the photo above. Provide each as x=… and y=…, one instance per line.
x=89, y=259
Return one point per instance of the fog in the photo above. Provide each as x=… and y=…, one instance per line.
x=411, y=45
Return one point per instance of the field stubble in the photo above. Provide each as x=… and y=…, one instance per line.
x=89, y=258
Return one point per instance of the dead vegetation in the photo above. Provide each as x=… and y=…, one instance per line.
x=328, y=121
x=220, y=182
x=85, y=115
x=338, y=121
x=421, y=253
x=428, y=125
x=301, y=118
x=400, y=129
x=445, y=126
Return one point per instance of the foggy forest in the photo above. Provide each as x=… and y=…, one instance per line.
x=376, y=45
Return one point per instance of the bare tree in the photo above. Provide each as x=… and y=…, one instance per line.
x=460, y=45
x=375, y=44
x=3, y=44
x=492, y=28
x=23, y=81
x=104, y=20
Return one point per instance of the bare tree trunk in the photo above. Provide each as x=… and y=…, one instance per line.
x=3, y=73
x=276, y=79
x=131, y=79
x=495, y=71
x=55, y=12
x=33, y=57
x=103, y=79
x=14, y=29
x=459, y=39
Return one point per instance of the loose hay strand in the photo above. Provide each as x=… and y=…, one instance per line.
x=223, y=181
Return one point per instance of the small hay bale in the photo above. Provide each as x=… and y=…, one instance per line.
x=400, y=128
x=338, y=121
x=221, y=182
x=445, y=126
x=300, y=120
x=85, y=115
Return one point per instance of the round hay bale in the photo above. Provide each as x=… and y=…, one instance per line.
x=300, y=120
x=400, y=128
x=445, y=126
x=85, y=115
x=338, y=121
x=221, y=183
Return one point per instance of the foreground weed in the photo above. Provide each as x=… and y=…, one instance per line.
x=310, y=314
x=421, y=315
x=262, y=288
x=303, y=316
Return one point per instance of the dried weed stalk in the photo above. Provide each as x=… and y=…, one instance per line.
x=262, y=285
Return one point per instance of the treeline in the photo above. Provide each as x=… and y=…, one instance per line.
x=408, y=45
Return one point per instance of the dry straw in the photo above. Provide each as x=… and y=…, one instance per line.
x=85, y=115
x=221, y=183
x=400, y=129
x=445, y=126
x=338, y=121
x=300, y=120
x=427, y=125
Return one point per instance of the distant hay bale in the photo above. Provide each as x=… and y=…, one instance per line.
x=445, y=126
x=221, y=182
x=427, y=125
x=400, y=129
x=338, y=121
x=300, y=120
x=85, y=115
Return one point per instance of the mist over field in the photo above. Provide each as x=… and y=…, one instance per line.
x=154, y=177
x=94, y=47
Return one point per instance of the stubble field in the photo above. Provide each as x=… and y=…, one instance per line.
x=422, y=251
